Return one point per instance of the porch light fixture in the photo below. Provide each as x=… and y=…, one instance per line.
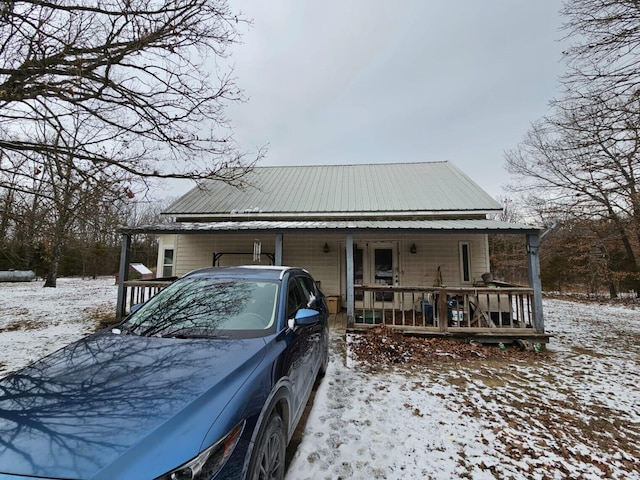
x=413, y=248
x=325, y=249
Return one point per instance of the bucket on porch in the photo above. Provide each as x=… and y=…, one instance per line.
x=457, y=318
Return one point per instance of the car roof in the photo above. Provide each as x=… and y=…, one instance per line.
x=262, y=272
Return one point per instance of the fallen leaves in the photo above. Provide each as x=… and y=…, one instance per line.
x=385, y=346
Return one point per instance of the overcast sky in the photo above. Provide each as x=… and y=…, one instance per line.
x=358, y=81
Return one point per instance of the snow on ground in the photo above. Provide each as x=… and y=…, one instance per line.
x=571, y=412
x=36, y=321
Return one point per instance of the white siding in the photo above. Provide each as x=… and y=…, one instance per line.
x=307, y=250
x=433, y=251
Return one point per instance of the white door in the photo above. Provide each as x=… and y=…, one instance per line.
x=375, y=263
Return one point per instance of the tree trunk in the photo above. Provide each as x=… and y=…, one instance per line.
x=52, y=272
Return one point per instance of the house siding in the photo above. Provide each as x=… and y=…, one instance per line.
x=307, y=250
x=433, y=251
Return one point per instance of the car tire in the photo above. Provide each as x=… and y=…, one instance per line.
x=268, y=460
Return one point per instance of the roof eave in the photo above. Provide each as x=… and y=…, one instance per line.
x=405, y=226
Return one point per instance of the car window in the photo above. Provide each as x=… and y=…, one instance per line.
x=308, y=298
x=309, y=289
x=203, y=307
x=295, y=298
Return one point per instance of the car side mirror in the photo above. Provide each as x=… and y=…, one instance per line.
x=306, y=317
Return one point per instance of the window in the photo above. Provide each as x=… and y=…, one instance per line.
x=167, y=263
x=465, y=262
x=383, y=271
x=358, y=270
x=312, y=294
x=308, y=289
x=295, y=299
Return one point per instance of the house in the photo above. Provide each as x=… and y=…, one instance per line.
x=399, y=243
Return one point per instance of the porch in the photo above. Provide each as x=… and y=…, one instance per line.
x=484, y=314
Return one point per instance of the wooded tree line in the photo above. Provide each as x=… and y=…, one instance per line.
x=79, y=239
x=578, y=256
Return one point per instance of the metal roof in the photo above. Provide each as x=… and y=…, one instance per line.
x=435, y=226
x=339, y=190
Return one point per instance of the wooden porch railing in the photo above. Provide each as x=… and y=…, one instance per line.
x=446, y=309
x=139, y=291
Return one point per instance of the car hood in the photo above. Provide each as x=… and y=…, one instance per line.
x=74, y=412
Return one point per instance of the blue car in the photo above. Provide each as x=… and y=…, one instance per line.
x=208, y=379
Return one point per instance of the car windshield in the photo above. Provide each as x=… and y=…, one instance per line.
x=204, y=307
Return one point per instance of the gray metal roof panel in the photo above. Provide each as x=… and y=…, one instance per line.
x=387, y=188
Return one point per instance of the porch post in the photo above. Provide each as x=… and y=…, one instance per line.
x=533, y=262
x=123, y=274
x=278, y=256
x=350, y=276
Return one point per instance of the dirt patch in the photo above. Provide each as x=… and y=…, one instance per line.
x=22, y=325
x=18, y=312
x=104, y=319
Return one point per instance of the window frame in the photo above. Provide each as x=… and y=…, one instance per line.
x=166, y=264
x=464, y=256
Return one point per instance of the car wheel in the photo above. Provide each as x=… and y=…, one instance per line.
x=269, y=456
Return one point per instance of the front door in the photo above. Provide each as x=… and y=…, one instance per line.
x=375, y=263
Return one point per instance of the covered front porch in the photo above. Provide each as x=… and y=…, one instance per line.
x=399, y=297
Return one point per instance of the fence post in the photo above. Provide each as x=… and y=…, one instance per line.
x=123, y=275
x=443, y=312
x=350, y=283
x=533, y=262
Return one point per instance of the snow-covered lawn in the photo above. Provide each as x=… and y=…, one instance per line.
x=35, y=321
x=572, y=412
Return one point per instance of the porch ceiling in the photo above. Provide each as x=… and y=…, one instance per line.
x=435, y=226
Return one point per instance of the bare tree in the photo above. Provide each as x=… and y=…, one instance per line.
x=97, y=99
x=604, y=47
x=143, y=73
x=23, y=215
x=583, y=162
x=72, y=187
